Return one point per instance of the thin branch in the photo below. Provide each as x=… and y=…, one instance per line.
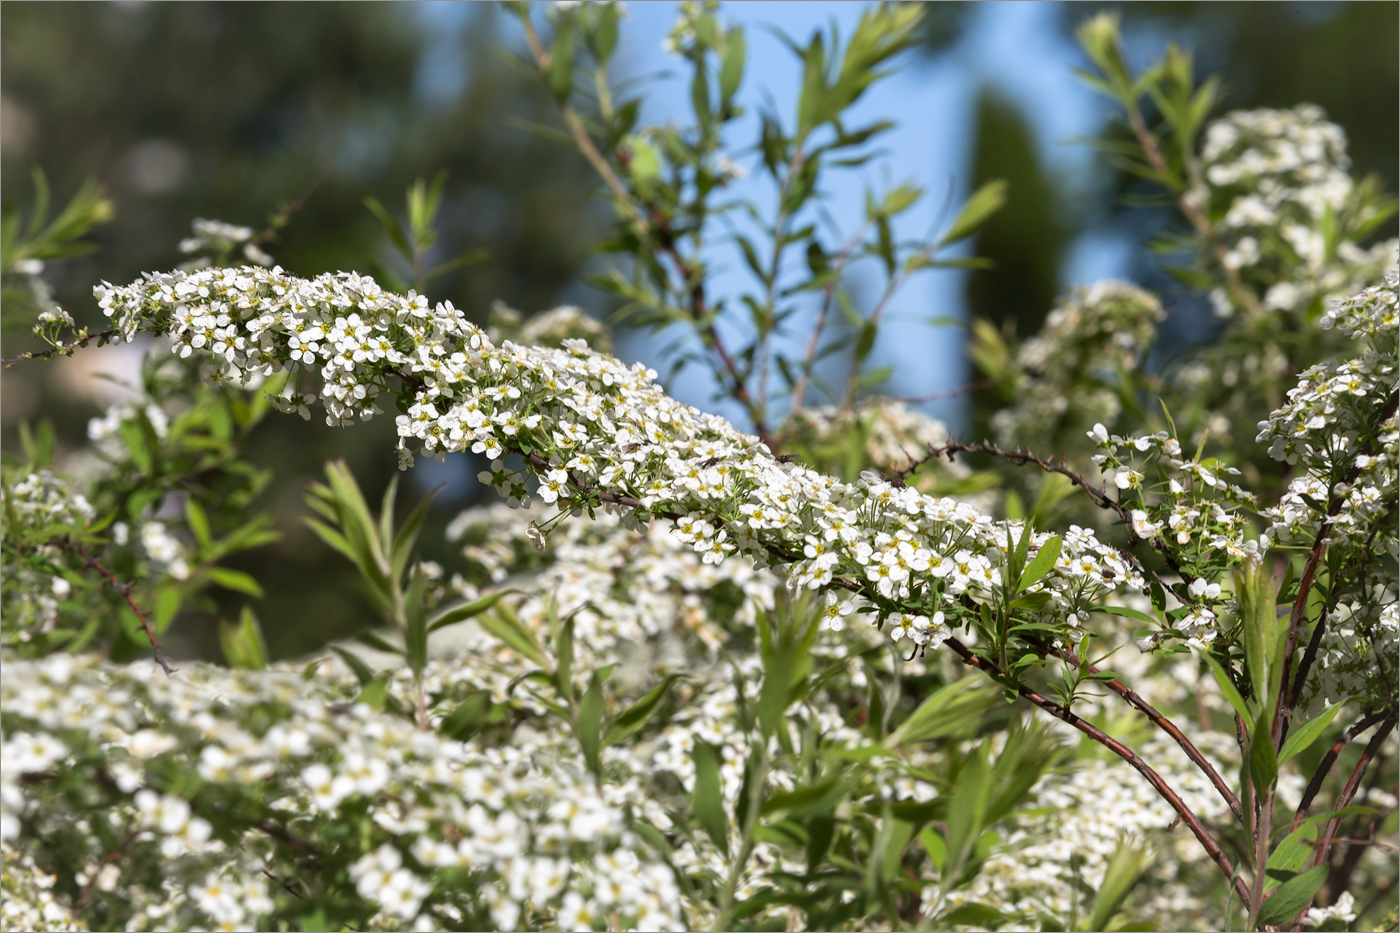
x=85, y=899
x=1300, y=604
x=659, y=227
x=1135, y=700
x=64, y=350
x=1324, y=767
x=1097, y=494
x=280, y=218
x=68, y=546
x=1164, y=789
x=1244, y=298
x=1344, y=800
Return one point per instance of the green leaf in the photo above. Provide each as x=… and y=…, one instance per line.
x=626, y=723
x=945, y=712
x=167, y=606
x=198, y=522
x=866, y=342
x=415, y=636
x=235, y=580
x=985, y=202
x=391, y=227
x=374, y=693
x=360, y=669
x=460, y=613
x=1127, y=613
x=604, y=36
x=468, y=717
x=814, y=799
x=1222, y=678
x=1044, y=560
x=1292, y=853
x=1292, y=896
x=243, y=645
x=590, y=720
x=506, y=626
x=1263, y=764
x=1303, y=736
x=561, y=61
x=707, y=802
x=731, y=72
x=1124, y=869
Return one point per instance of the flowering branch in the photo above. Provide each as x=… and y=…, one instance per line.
x=67, y=349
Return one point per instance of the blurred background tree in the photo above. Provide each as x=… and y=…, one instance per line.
x=1340, y=56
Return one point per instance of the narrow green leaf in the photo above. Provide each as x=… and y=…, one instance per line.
x=198, y=522
x=374, y=693
x=731, y=72
x=1292, y=896
x=590, y=720
x=985, y=202
x=945, y=712
x=243, y=644
x=626, y=723
x=707, y=802
x=468, y=717
x=357, y=666
x=464, y=611
x=235, y=580
x=1305, y=735
x=1044, y=560
x=506, y=626
x=1222, y=678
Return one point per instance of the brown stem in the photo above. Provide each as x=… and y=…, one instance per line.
x=68, y=546
x=1097, y=494
x=1246, y=299
x=85, y=899
x=1164, y=789
x=646, y=228
x=1324, y=767
x=1135, y=700
x=973, y=659
x=1291, y=688
x=1345, y=799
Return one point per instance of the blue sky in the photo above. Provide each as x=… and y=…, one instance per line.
x=1014, y=46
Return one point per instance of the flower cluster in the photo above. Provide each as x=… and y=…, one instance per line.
x=1346, y=487
x=608, y=429
x=1068, y=374
x=215, y=241
x=1280, y=179
x=283, y=768
x=549, y=329
x=892, y=433
x=1190, y=509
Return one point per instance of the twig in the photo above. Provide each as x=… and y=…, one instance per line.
x=68, y=546
x=973, y=659
x=1300, y=604
x=280, y=218
x=1135, y=700
x=1346, y=797
x=1098, y=495
x=1164, y=789
x=658, y=226
x=1324, y=767
x=65, y=350
x=85, y=899
x=1247, y=301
